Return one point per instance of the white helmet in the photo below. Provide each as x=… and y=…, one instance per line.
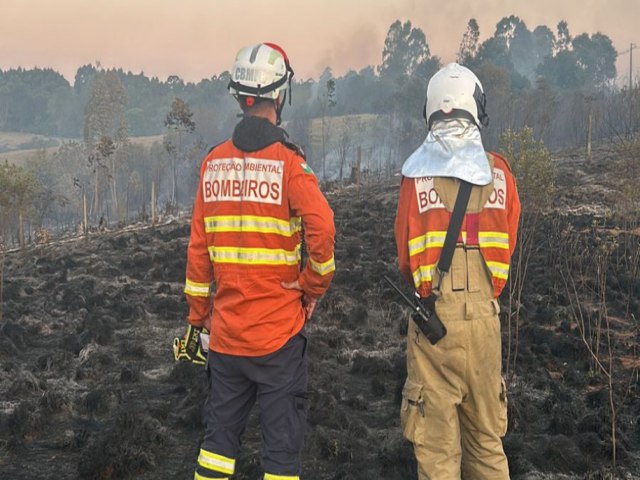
x=455, y=92
x=262, y=71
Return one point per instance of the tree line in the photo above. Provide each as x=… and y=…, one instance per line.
x=544, y=79
x=42, y=101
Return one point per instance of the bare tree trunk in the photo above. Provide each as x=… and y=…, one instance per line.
x=178, y=153
x=96, y=204
x=85, y=216
x=174, y=181
x=589, y=128
x=153, y=203
x=1, y=282
x=114, y=187
x=324, y=155
x=358, y=165
x=21, y=230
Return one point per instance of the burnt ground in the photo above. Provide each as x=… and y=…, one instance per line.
x=89, y=388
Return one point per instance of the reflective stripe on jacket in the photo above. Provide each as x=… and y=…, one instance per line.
x=422, y=222
x=246, y=240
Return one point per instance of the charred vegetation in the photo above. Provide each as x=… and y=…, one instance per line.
x=88, y=377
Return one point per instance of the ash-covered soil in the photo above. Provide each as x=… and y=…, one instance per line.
x=89, y=388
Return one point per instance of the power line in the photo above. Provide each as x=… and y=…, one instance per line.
x=630, y=52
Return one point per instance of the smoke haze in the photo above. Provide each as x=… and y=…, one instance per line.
x=198, y=38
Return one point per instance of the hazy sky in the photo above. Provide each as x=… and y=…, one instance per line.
x=198, y=38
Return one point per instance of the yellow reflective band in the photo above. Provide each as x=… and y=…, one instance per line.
x=252, y=224
x=255, y=256
x=423, y=274
x=493, y=234
x=428, y=240
x=499, y=269
x=323, y=268
x=493, y=240
x=196, y=289
x=216, y=463
x=271, y=476
x=197, y=476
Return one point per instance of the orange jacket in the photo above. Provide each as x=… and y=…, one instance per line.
x=422, y=222
x=246, y=238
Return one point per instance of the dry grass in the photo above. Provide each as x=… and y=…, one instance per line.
x=14, y=139
x=17, y=155
x=333, y=125
x=147, y=141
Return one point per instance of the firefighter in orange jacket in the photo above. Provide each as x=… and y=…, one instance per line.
x=454, y=407
x=255, y=196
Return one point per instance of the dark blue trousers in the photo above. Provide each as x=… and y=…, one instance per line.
x=278, y=382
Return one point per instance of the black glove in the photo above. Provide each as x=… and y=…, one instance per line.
x=189, y=348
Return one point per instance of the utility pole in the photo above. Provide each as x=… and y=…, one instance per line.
x=631, y=47
x=630, y=102
x=630, y=52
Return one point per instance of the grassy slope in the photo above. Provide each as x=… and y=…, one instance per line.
x=17, y=154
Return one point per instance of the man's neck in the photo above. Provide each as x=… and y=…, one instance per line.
x=269, y=115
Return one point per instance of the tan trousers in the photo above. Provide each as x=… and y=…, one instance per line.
x=454, y=407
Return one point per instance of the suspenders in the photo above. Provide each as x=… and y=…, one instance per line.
x=455, y=224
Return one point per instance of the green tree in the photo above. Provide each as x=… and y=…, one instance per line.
x=134, y=188
x=84, y=79
x=179, y=123
x=544, y=41
x=72, y=177
x=596, y=57
x=495, y=50
x=541, y=108
x=24, y=98
x=498, y=89
x=469, y=45
x=510, y=48
x=535, y=174
x=349, y=129
x=19, y=190
x=563, y=37
x=532, y=165
x=522, y=50
x=562, y=70
x=507, y=28
x=106, y=132
x=328, y=102
x=405, y=51
x=52, y=190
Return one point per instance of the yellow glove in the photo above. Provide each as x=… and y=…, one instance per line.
x=189, y=348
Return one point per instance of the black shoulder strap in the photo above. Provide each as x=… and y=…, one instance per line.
x=455, y=224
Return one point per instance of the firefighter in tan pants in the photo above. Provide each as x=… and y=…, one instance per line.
x=454, y=406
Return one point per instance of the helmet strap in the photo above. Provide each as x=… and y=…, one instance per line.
x=481, y=104
x=280, y=107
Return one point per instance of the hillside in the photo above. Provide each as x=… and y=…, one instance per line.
x=89, y=387
x=15, y=147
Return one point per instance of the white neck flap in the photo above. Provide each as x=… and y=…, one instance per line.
x=452, y=149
